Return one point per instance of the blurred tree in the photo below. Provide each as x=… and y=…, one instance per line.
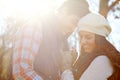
x=105, y=7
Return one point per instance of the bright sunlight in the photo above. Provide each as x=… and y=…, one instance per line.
x=28, y=8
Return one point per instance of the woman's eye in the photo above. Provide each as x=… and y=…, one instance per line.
x=88, y=37
x=85, y=37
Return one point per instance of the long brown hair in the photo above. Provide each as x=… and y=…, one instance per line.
x=106, y=48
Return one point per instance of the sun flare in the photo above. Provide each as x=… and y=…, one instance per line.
x=28, y=8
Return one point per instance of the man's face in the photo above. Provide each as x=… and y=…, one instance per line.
x=69, y=23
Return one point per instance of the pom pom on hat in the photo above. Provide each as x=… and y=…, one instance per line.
x=94, y=23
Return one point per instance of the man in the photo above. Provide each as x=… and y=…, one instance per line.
x=38, y=46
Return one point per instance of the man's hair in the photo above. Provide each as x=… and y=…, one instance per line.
x=76, y=7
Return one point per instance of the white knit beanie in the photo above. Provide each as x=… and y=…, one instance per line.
x=94, y=23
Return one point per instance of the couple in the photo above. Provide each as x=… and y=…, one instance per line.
x=39, y=47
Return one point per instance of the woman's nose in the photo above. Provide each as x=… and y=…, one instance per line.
x=83, y=41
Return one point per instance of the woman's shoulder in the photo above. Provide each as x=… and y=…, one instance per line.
x=102, y=60
x=102, y=63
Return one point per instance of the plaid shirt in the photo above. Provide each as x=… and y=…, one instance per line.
x=26, y=46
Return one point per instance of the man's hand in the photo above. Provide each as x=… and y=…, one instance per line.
x=68, y=58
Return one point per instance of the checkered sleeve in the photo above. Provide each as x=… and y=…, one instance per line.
x=26, y=46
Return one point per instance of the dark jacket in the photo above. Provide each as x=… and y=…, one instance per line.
x=48, y=61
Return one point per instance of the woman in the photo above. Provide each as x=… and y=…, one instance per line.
x=98, y=60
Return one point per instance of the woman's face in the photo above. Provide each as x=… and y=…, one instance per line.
x=87, y=41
